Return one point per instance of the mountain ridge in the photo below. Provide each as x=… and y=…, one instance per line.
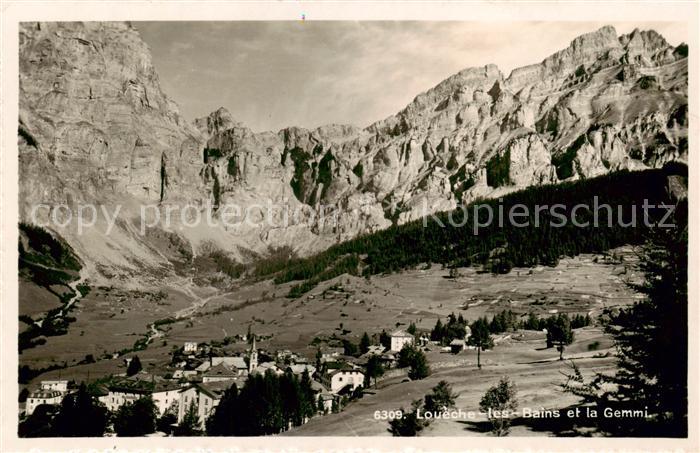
x=95, y=126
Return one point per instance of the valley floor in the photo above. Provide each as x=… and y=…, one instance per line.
x=110, y=320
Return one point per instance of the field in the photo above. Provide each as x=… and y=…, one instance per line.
x=110, y=320
x=536, y=371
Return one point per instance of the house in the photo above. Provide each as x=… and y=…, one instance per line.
x=265, y=366
x=456, y=346
x=233, y=363
x=286, y=356
x=218, y=373
x=372, y=351
x=166, y=397
x=357, y=362
x=330, y=354
x=388, y=359
x=188, y=397
x=323, y=397
x=209, y=397
x=58, y=385
x=299, y=369
x=375, y=350
x=325, y=400
x=399, y=339
x=118, y=396
x=300, y=359
x=204, y=366
x=39, y=397
x=165, y=393
x=205, y=397
x=338, y=379
x=190, y=346
x=179, y=374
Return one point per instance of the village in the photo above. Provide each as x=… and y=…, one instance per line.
x=199, y=375
x=352, y=368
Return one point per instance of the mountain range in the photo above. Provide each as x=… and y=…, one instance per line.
x=96, y=127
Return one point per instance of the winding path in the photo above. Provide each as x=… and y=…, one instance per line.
x=185, y=285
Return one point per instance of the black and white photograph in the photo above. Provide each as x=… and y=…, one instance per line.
x=351, y=228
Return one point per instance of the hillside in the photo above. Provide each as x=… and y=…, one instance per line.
x=49, y=281
x=96, y=127
x=466, y=237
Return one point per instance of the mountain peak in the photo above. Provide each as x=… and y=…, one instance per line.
x=217, y=121
x=586, y=110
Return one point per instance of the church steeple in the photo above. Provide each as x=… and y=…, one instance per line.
x=253, y=361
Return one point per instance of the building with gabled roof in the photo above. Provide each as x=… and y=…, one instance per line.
x=336, y=379
x=329, y=354
x=39, y=397
x=205, y=398
x=218, y=373
x=125, y=391
x=322, y=396
x=300, y=368
x=233, y=362
x=60, y=385
x=457, y=346
x=267, y=366
x=399, y=339
x=375, y=349
x=210, y=395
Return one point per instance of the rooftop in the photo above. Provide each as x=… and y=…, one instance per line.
x=143, y=383
x=234, y=361
x=401, y=334
x=220, y=370
x=215, y=389
x=299, y=369
x=45, y=394
x=344, y=370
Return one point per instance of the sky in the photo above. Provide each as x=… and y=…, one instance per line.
x=271, y=75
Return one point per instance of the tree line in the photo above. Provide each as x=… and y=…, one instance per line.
x=449, y=238
x=559, y=329
x=267, y=404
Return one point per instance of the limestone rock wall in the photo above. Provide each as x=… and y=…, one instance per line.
x=95, y=125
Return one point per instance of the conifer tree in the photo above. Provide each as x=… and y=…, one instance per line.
x=419, y=368
x=649, y=377
x=480, y=337
x=500, y=403
x=81, y=415
x=190, y=424
x=136, y=419
x=134, y=366
x=364, y=343
x=559, y=333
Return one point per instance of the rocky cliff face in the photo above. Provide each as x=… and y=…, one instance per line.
x=95, y=125
x=91, y=104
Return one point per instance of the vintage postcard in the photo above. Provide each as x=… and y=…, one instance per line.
x=449, y=226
